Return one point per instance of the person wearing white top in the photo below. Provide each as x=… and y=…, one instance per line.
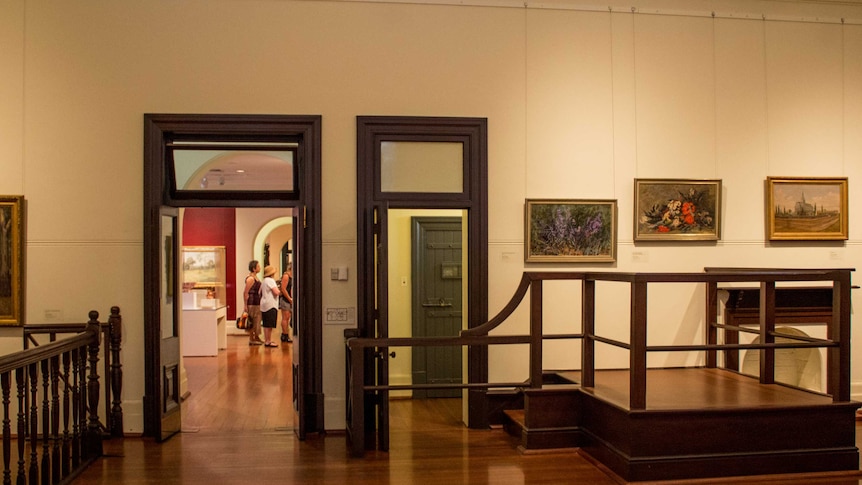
x=269, y=305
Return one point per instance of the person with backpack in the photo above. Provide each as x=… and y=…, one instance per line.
x=251, y=299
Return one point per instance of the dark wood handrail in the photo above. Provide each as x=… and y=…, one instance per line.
x=717, y=275
x=507, y=310
x=837, y=344
x=23, y=358
x=56, y=393
x=527, y=279
x=366, y=342
x=111, y=331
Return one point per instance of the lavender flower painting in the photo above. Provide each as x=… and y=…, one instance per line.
x=570, y=230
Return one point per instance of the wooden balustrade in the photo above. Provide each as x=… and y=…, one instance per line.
x=363, y=393
x=56, y=385
x=111, y=337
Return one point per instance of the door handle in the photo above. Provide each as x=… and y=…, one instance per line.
x=441, y=303
x=382, y=355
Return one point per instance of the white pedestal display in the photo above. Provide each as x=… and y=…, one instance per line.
x=204, y=331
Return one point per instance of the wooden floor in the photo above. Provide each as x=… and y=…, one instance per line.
x=244, y=388
x=698, y=388
x=237, y=429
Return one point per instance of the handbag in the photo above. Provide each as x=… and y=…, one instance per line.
x=242, y=322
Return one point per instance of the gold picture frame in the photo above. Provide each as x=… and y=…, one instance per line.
x=567, y=230
x=677, y=210
x=806, y=209
x=204, y=268
x=11, y=260
x=203, y=265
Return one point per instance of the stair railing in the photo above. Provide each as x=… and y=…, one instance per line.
x=112, y=337
x=363, y=393
x=53, y=392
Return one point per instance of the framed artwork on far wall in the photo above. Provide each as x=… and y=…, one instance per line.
x=568, y=230
x=677, y=210
x=806, y=209
x=11, y=260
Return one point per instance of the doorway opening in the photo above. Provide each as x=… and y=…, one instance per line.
x=413, y=164
x=191, y=161
x=426, y=295
x=217, y=365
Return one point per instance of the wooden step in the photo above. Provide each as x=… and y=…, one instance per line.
x=699, y=423
x=549, y=420
x=515, y=415
x=513, y=422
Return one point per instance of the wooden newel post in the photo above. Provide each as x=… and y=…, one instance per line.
x=536, y=334
x=115, y=321
x=93, y=433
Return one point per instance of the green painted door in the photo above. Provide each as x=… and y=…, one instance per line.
x=436, y=302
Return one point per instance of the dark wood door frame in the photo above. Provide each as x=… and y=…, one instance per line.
x=473, y=134
x=306, y=130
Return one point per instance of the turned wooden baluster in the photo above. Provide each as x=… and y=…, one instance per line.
x=93, y=434
x=66, y=390
x=55, y=417
x=46, y=422
x=21, y=387
x=78, y=366
x=33, y=422
x=7, y=429
x=116, y=325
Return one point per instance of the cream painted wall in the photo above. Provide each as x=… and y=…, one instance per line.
x=11, y=125
x=580, y=100
x=12, y=97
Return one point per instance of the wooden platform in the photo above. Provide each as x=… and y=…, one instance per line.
x=698, y=423
x=698, y=388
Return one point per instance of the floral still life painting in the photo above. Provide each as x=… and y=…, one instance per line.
x=677, y=209
x=559, y=230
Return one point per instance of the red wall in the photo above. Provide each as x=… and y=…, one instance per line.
x=215, y=227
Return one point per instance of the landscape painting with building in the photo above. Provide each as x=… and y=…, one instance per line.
x=806, y=208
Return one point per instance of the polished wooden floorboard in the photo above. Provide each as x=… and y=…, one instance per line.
x=698, y=388
x=244, y=388
x=237, y=426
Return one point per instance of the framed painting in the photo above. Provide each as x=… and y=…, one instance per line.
x=677, y=210
x=203, y=265
x=11, y=260
x=806, y=209
x=562, y=230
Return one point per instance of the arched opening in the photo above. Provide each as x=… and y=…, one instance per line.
x=796, y=367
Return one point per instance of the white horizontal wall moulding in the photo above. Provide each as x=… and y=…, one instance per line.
x=734, y=9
